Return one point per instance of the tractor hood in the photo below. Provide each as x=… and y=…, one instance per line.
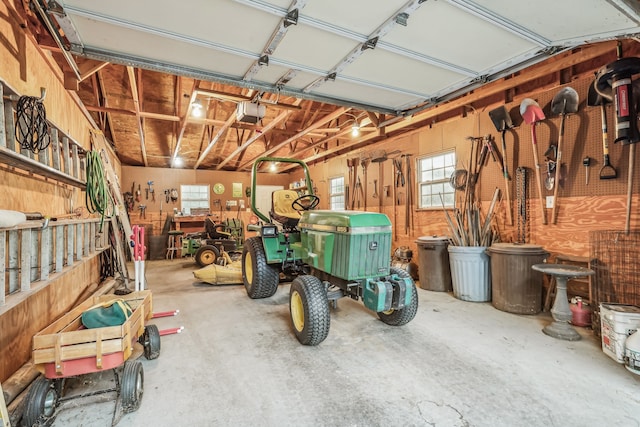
x=344, y=221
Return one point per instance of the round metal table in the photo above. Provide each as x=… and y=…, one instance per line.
x=560, y=311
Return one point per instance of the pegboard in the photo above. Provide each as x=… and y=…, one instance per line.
x=583, y=138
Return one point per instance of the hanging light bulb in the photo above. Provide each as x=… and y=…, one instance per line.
x=177, y=162
x=196, y=109
x=355, y=129
x=273, y=167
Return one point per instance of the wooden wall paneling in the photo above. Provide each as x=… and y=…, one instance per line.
x=44, y=304
x=4, y=284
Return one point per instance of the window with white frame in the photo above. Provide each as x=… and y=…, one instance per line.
x=336, y=193
x=193, y=196
x=433, y=173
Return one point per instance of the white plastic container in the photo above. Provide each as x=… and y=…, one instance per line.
x=617, y=322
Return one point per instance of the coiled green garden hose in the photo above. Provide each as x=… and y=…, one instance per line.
x=97, y=194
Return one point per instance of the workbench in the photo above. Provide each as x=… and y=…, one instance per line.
x=189, y=223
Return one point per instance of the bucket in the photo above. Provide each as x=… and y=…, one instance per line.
x=434, y=267
x=516, y=287
x=470, y=273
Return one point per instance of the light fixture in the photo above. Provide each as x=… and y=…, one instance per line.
x=273, y=167
x=196, y=109
x=355, y=129
x=177, y=162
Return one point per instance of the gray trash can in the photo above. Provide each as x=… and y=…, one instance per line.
x=516, y=287
x=433, y=263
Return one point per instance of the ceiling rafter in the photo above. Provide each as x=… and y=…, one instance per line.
x=184, y=120
x=105, y=102
x=222, y=130
x=282, y=116
x=321, y=122
x=136, y=103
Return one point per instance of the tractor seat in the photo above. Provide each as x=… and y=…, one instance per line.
x=282, y=210
x=215, y=231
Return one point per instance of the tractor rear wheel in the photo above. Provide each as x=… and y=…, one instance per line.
x=404, y=315
x=260, y=279
x=206, y=255
x=309, y=308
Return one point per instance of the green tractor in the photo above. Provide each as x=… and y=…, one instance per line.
x=331, y=254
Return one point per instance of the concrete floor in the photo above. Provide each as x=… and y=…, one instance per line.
x=457, y=363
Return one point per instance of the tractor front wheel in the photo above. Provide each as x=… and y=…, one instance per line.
x=206, y=255
x=309, y=308
x=404, y=315
x=259, y=278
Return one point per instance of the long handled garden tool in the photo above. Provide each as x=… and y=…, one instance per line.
x=594, y=99
x=565, y=102
x=502, y=121
x=532, y=113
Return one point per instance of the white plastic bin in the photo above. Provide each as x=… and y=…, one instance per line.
x=617, y=322
x=470, y=273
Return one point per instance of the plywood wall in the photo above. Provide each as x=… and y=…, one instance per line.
x=38, y=309
x=25, y=69
x=583, y=206
x=166, y=179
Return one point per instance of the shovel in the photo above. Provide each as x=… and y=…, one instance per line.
x=565, y=102
x=594, y=99
x=532, y=113
x=502, y=121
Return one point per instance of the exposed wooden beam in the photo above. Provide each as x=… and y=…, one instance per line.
x=103, y=92
x=89, y=67
x=183, y=123
x=222, y=130
x=374, y=119
x=136, y=103
x=240, y=98
x=282, y=116
x=326, y=119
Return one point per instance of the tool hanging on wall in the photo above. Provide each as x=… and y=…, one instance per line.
x=521, y=201
x=614, y=82
x=502, y=121
x=586, y=162
x=409, y=199
x=532, y=114
x=364, y=162
x=174, y=195
x=150, y=191
x=143, y=210
x=565, y=102
x=138, y=194
x=594, y=99
x=379, y=157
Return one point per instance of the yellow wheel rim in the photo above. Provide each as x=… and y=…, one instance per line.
x=388, y=312
x=297, y=311
x=208, y=257
x=248, y=268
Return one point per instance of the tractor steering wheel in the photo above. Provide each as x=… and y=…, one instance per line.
x=311, y=202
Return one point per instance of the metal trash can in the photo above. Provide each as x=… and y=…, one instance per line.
x=516, y=287
x=433, y=263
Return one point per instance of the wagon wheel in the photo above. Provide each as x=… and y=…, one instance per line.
x=150, y=340
x=42, y=402
x=131, y=385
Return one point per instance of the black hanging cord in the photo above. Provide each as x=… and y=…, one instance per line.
x=32, y=129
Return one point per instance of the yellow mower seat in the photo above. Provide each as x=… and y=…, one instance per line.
x=282, y=209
